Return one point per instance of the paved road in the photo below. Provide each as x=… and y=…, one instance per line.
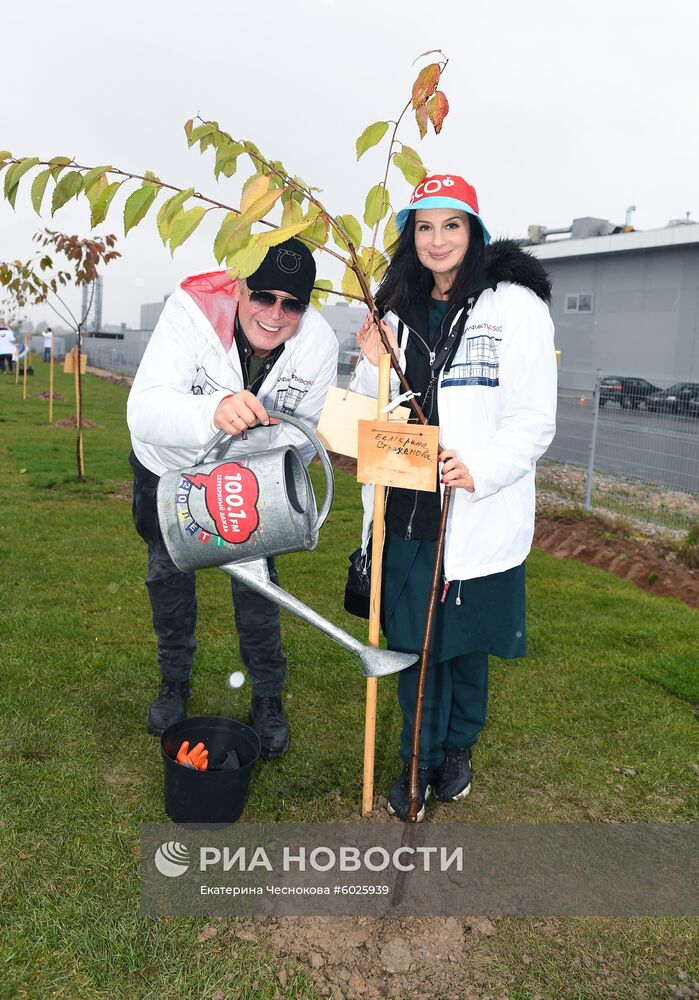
x=655, y=447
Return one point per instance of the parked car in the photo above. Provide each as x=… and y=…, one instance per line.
x=676, y=399
x=627, y=392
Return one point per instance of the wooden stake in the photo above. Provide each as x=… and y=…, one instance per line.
x=51, y=381
x=27, y=358
x=375, y=606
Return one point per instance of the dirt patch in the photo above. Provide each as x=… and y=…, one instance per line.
x=649, y=563
x=121, y=491
x=47, y=395
x=72, y=422
x=367, y=957
x=110, y=376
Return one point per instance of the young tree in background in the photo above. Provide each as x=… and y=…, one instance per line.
x=41, y=279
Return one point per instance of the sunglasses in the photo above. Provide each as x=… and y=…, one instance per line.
x=292, y=307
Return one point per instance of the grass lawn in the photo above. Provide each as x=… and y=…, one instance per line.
x=597, y=724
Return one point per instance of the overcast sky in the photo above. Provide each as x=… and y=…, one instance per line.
x=558, y=109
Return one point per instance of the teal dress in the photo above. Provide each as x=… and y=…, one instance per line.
x=473, y=619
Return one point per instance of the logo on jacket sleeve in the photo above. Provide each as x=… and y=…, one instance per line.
x=227, y=497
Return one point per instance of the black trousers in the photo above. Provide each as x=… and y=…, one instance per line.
x=174, y=604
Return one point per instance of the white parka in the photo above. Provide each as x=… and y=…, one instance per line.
x=497, y=411
x=191, y=363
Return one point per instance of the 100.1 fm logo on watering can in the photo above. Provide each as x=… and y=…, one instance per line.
x=219, y=505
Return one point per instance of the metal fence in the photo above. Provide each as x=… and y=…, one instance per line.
x=121, y=359
x=639, y=461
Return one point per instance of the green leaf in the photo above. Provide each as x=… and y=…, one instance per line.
x=5, y=154
x=353, y=229
x=412, y=154
x=69, y=186
x=350, y=283
x=100, y=206
x=371, y=135
x=95, y=189
x=292, y=212
x=317, y=231
x=58, y=164
x=276, y=236
x=138, y=203
x=246, y=259
x=214, y=139
x=38, y=188
x=201, y=132
x=259, y=208
x=15, y=174
x=168, y=210
x=227, y=158
x=320, y=291
x=90, y=177
x=184, y=225
x=377, y=202
x=409, y=168
x=374, y=263
x=230, y=236
x=390, y=233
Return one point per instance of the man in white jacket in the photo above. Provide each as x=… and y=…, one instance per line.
x=223, y=352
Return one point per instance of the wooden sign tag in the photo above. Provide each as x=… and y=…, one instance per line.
x=398, y=455
x=339, y=421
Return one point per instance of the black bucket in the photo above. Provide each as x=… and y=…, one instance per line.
x=208, y=796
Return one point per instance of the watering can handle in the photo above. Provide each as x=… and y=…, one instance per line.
x=320, y=451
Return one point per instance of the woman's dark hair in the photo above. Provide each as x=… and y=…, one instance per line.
x=407, y=281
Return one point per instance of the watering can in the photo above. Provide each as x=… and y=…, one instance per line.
x=236, y=513
x=250, y=507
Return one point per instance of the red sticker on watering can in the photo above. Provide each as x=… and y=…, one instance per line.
x=230, y=492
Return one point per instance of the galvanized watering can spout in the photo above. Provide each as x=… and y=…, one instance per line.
x=376, y=662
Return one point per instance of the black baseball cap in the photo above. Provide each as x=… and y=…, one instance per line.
x=288, y=267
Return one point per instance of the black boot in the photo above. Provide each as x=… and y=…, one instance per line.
x=399, y=794
x=267, y=719
x=170, y=706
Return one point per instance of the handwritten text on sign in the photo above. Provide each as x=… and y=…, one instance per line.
x=404, y=456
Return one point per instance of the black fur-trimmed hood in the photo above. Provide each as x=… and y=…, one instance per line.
x=505, y=260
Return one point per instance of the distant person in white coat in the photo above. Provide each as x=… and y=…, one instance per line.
x=8, y=345
x=48, y=343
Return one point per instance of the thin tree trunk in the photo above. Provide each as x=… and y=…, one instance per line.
x=79, y=411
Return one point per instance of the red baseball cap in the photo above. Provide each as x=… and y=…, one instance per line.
x=443, y=191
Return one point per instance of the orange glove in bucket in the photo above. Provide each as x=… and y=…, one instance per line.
x=197, y=757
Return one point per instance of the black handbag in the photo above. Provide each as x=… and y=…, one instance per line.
x=358, y=587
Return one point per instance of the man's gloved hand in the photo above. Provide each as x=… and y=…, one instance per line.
x=197, y=757
x=234, y=414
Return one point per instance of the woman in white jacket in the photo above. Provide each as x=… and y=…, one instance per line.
x=471, y=326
